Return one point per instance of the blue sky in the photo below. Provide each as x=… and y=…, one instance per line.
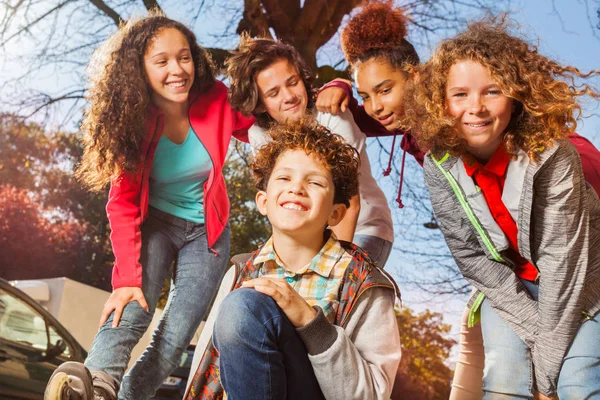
x=575, y=40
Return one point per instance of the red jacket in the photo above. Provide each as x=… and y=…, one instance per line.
x=214, y=121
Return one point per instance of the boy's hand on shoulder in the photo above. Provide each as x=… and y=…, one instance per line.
x=298, y=311
x=333, y=100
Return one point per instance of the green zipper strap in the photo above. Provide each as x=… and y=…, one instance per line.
x=475, y=311
x=443, y=159
x=465, y=205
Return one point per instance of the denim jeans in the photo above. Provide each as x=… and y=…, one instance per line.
x=196, y=278
x=262, y=357
x=378, y=249
x=508, y=372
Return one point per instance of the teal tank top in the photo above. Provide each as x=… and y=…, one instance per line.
x=177, y=177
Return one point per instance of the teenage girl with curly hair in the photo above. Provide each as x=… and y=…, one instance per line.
x=157, y=130
x=517, y=214
x=374, y=44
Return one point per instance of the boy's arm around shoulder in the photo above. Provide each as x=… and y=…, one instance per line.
x=344, y=125
x=257, y=137
x=358, y=361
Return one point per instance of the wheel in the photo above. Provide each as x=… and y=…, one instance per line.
x=58, y=387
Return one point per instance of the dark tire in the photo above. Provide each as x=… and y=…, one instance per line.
x=70, y=381
x=58, y=387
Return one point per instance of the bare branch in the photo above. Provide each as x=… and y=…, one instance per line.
x=329, y=27
x=254, y=20
x=219, y=56
x=46, y=100
x=151, y=5
x=27, y=27
x=279, y=20
x=311, y=12
x=109, y=12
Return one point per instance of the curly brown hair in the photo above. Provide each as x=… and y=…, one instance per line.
x=378, y=31
x=543, y=91
x=119, y=95
x=252, y=57
x=307, y=135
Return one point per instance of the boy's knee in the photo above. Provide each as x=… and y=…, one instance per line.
x=240, y=314
x=242, y=301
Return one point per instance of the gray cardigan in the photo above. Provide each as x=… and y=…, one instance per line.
x=559, y=234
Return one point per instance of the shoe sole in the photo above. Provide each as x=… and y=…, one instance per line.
x=58, y=387
x=70, y=381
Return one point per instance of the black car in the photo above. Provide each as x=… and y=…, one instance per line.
x=173, y=388
x=32, y=344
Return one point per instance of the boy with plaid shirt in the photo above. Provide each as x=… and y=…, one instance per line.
x=311, y=317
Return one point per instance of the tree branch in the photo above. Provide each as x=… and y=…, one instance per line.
x=254, y=20
x=330, y=27
x=47, y=100
x=313, y=11
x=109, y=12
x=219, y=56
x=152, y=5
x=291, y=7
x=35, y=21
x=279, y=20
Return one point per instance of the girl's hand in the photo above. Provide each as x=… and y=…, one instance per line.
x=539, y=396
x=333, y=100
x=117, y=301
x=298, y=311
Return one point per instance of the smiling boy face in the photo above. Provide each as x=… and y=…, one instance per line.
x=281, y=91
x=299, y=196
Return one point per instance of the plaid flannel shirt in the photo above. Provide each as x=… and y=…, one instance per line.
x=318, y=282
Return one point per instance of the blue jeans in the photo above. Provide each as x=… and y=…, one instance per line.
x=261, y=355
x=196, y=278
x=508, y=372
x=378, y=249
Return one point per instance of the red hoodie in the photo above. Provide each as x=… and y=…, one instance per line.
x=214, y=122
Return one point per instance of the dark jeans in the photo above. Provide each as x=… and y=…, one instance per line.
x=262, y=356
x=195, y=281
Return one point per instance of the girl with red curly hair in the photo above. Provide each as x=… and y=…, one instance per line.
x=508, y=189
x=157, y=130
x=374, y=43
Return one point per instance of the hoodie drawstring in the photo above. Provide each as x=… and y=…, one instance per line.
x=389, y=168
x=399, y=198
